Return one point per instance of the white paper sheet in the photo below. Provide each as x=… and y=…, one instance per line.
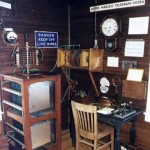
x=134, y=48
x=112, y=61
x=138, y=25
x=105, y=110
x=135, y=75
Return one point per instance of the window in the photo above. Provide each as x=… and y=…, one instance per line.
x=147, y=113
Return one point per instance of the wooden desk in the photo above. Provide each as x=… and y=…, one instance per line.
x=118, y=123
x=111, y=120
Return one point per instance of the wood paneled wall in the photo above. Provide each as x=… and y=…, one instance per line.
x=82, y=32
x=28, y=16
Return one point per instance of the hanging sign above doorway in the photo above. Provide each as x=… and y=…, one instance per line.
x=45, y=39
x=125, y=4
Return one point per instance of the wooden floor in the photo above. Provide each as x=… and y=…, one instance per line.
x=67, y=144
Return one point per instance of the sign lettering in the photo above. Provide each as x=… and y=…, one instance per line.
x=44, y=39
x=131, y=3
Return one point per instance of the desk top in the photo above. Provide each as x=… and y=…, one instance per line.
x=116, y=121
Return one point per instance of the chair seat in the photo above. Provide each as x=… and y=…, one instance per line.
x=104, y=130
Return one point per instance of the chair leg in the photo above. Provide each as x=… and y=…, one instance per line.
x=77, y=145
x=95, y=145
x=77, y=142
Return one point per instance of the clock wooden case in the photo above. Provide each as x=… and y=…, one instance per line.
x=110, y=28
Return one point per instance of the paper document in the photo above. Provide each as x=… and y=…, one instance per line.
x=134, y=48
x=138, y=25
x=105, y=110
x=112, y=62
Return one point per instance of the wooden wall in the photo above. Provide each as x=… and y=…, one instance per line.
x=28, y=16
x=82, y=32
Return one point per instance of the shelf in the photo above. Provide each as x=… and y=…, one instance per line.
x=12, y=91
x=12, y=105
x=14, y=128
x=43, y=117
x=9, y=135
x=85, y=59
x=15, y=117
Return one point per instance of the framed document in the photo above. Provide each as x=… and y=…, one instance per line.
x=135, y=74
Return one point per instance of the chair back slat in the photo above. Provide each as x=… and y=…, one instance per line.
x=83, y=120
x=79, y=118
x=88, y=122
x=86, y=116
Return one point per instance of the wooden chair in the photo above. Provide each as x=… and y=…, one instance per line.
x=87, y=129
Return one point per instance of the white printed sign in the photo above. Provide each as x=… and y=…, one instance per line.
x=5, y=5
x=138, y=25
x=131, y=3
x=134, y=48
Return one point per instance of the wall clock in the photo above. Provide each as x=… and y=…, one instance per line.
x=110, y=28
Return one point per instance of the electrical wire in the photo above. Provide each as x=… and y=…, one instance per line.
x=53, y=67
x=68, y=76
x=2, y=23
x=4, y=82
x=14, y=70
x=34, y=70
x=70, y=46
x=64, y=94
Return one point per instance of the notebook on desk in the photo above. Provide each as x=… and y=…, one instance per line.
x=105, y=110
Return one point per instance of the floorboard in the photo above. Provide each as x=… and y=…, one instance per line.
x=67, y=143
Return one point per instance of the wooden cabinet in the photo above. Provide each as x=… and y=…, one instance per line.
x=85, y=59
x=32, y=110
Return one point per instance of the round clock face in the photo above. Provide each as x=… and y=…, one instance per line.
x=109, y=27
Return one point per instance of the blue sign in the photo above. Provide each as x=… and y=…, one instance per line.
x=44, y=39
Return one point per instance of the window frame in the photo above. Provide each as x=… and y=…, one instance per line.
x=147, y=113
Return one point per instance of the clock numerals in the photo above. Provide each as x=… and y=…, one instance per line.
x=109, y=27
